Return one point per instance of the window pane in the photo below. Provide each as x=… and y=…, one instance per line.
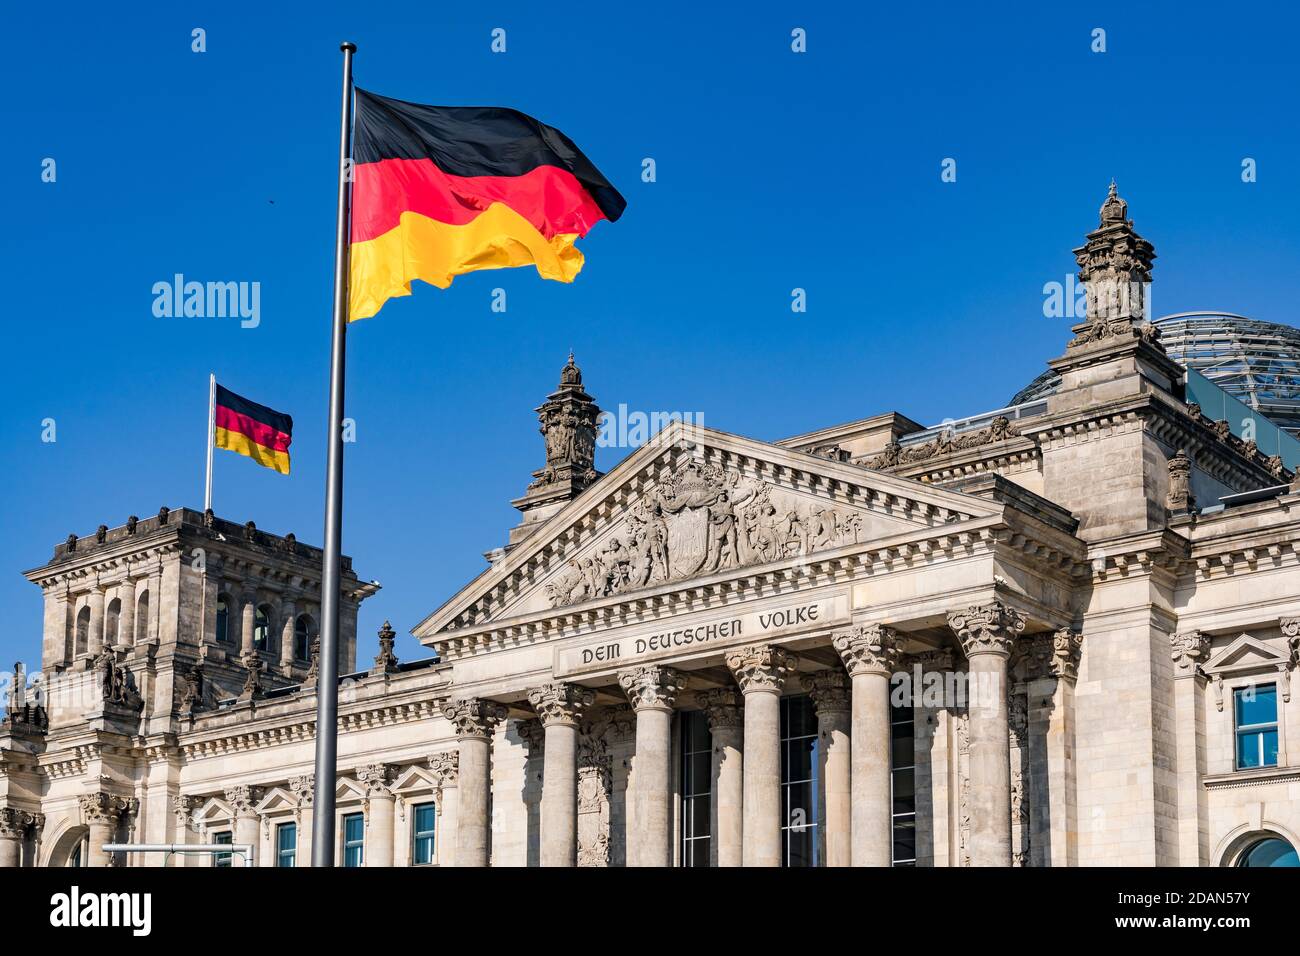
x=1247, y=751
x=701, y=771
x=1270, y=748
x=904, y=793
x=1270, y=852
x=902, y=745
x=1256, y=705
x=904, y=838
x=800, y=844
x=801, y=754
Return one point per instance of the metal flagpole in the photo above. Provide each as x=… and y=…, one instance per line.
x=327, y=701
x=212, y=438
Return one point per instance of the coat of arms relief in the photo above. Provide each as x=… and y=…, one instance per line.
x=700, y=520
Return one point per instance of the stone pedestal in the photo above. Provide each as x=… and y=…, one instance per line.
x=761, y=671
x=870, y=654
x=651, y=691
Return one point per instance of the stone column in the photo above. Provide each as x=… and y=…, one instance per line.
x=931, y=743
x=722, y=706
x=247, y=623
x=1189, y=651
x=155, y=601
x=446, y=771
x=761, y=670
x=622, y=740
x=829, y=690
x=987, y=634
x=13, y=830
x=183, y=807
x=243, y=801
x=559, y=707
x=304, y=789
x=126, y=617
x=870, y=654
x=652, y=691
x=102, y=812
x=288, y=612
x=95, y=635
x=378, y=778
x=474, y=720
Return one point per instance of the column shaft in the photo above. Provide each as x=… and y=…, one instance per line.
x=652, y=691
x=729, y=788
x=990, y=764
x=872, y=816
x=475, y=784
x=126, y=617
x=11, y=845
x=95, y=638
x=560, y=795
x=762, y=778
x=379, y=850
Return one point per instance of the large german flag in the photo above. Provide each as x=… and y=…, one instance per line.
x=248, y=428
x=442, y=190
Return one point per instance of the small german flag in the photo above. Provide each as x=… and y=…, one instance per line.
x=438, y=191
x=252, y=429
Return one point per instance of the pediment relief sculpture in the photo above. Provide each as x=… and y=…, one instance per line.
x=700, y=520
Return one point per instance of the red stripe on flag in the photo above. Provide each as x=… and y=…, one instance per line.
x=263, y=434
x=550, y=198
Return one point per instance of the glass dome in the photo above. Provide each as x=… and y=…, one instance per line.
x=1256, y=362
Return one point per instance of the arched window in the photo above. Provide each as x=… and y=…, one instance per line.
x=83, y=630
x=304, y=632
x=262, y=629
x=142, y=618
x=1271, y=851
x=223, y=618
x=111, y=617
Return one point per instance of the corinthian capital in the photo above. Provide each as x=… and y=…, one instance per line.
x=560, y=703
x=868, y=649
x=105, y=807
x=1067, y=646
x=446, y=768
x=761, y=667
x=986, y=628
x=473, y=716
x=304, y=788
x=651, y=687
x=1188, y=650
x=243, y=799
x=722, y=707
x=14, y=822
x=829, y=690
x=377, y=778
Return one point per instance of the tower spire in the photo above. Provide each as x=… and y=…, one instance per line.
x=1115, y=268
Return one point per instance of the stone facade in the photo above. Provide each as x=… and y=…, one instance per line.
x=1072, y=608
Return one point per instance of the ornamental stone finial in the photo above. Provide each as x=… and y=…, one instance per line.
x=386, y=660
x=987, y=628
x=868, y=649
x=1188, y=650
x=651, y=687
x=473, y=716
x=1115, y=269
x=723, y=708
x=829, y=690
x=560, y=703
x=1179, y=499
x=761, y=667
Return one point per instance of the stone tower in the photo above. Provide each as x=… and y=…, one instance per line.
x=567, y=420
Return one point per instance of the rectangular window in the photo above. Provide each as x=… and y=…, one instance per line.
x=354, y=839
x=697, y=788
x=800, y=783
x=286, y=844
x=226, y=837
x=903, y=784
x=423, y=821
x=1255, y=715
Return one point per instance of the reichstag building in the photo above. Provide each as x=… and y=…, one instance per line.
x=1060, y=633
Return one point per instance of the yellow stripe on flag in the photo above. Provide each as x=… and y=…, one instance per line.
x=243, y=445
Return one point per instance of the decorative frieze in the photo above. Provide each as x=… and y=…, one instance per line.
x=560, y=703
x=652, y=686
x=945, y=443
x=868, y=649
x=987, y=629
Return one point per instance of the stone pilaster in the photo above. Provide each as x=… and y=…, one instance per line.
x=932, y=749
x=723, y=708
x=14, y=826
x=559, y=707
x=243, y=800
x=474, y=721
x=103, y=813
x=445, y=767
x=1189, y=651
x=831, y=694
x=987, y=634
x=304, y=788
x=652, y=692
x=870, y=654
x=183, y=807
x=761, y=671
x=378, y=778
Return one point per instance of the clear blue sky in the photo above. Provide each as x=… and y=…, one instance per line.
x=775, y=170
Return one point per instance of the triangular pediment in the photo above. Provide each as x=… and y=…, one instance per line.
x=346, y=790
x=277, y=798
x=1246, y=654
x=414, y=779
x=693, y=504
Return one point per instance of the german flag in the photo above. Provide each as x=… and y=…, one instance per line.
x=252, y=429
x=438, y=191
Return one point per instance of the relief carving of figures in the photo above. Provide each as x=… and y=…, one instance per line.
x=701, y=519
x=942, y=444
x=595, y=785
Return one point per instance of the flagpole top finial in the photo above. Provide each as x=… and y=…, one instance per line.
x=347, y=46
